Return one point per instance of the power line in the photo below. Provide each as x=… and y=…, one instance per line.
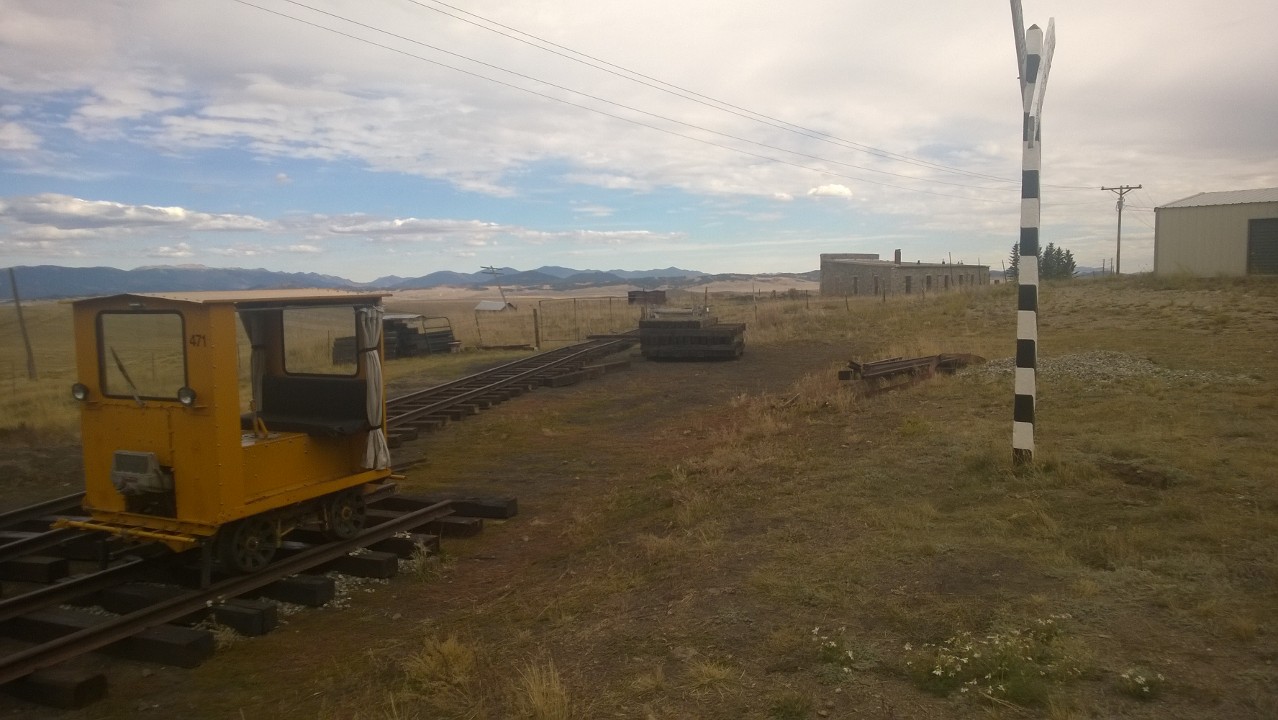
x=694, y=96
x=625, y=106
x=1149, y=201
x=608, y=114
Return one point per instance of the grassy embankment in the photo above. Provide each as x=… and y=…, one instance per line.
x=806, y=551
x=691, y=550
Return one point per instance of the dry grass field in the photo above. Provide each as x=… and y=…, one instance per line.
x=752, y=539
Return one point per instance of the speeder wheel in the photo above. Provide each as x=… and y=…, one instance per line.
x=247, y=545
x=344, y=514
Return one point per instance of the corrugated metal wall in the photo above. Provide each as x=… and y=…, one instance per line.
x=1205, y=241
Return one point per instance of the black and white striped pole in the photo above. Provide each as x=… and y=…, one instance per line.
x=1034, y=59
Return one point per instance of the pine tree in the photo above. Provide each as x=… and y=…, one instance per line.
x=1047, y=263
x=1068, y=268
x=1054, y=263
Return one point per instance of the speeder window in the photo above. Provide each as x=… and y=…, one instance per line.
x=141, y=354
x=316, y=340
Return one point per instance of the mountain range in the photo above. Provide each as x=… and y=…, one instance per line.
x=37, y=282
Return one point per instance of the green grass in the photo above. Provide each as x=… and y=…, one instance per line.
x=40, y=409
x=1146, y=520
x=684, y=527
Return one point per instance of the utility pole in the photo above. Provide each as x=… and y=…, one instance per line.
x=1034, y=50
x=1121, y=190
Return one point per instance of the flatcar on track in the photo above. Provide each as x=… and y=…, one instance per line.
x=219, y=421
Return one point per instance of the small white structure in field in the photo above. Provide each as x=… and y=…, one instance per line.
x=493, y=306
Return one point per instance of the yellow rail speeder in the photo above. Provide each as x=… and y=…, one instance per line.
x=218, y=419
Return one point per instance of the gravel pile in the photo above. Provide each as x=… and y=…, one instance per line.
x=1101, y=366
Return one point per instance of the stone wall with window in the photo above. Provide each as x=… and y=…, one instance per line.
x=847, y=274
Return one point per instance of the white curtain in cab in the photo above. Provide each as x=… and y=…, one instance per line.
x=369, y=328
x=255, y=328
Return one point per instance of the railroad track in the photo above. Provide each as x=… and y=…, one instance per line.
x=24, y=531
x=146, y=605
x=138, y=624
x=409, y=414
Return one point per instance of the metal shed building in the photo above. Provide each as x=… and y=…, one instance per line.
x=1218, y=233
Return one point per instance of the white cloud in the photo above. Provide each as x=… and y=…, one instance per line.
x=69, y=213
x=409, y=229
x=15, y=137
x=609, y=181
x=46, y=248
x=842, y=191
x=243, y=250
x=283, y=179
x=181, y=250
x=597, y=237
x=62, y=217
x=138, y=74
x=593, y=210
x=46, y=233
x=121, y=102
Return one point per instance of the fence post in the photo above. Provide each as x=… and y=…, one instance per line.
x=575, y=321
x=22, y=325
x=536, y=328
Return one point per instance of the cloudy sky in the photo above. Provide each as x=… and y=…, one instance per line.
x=401, y=137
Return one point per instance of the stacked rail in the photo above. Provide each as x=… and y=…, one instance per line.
x=897, y=372
x=686, y=336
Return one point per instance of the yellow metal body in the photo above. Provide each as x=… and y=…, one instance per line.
x=220, y=471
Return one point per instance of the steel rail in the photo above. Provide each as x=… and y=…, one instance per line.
x=41, y=541
x=48, y=507
x=481, y=375
x=524, y=369
x=517, y=365
x=417, y=412
x=25, y=662
x=74, y=587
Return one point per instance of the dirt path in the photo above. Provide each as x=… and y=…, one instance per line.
x=592, y=439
